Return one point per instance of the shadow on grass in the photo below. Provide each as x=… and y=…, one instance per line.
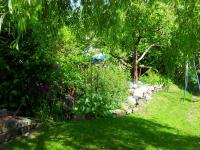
x=193, y=99
x=182, y=99
x=120, y=133
x=197, y=93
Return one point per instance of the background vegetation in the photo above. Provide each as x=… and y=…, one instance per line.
x=44, y=58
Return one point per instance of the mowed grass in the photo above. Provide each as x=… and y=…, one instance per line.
x=166, y=123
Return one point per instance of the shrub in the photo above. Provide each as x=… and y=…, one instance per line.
x=46, y=66
x=104, y=88
x=153, y=77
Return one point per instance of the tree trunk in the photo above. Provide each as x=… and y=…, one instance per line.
x=135, y=66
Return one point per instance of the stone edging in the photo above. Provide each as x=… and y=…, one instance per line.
x=139, y=95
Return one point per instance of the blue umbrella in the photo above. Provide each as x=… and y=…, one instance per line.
x=99, y=57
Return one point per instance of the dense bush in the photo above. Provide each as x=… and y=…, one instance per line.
x=104, y=87
x=40, y=76
x=153, y=77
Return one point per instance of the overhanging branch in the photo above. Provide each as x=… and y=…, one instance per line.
x=146, y=51
x=121, y=60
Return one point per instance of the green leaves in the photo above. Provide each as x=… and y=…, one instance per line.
x=10, y=7
x=15, y=44
x=1, y=21
x=29, y=2
x=104, y=88
x=21, y=25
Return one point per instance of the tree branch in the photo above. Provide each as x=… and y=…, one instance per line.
x=121, y=60
x=146, y=51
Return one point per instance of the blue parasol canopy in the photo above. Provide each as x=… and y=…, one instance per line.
x=99, y=57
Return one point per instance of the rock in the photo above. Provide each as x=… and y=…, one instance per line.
x=26, y=134
x=129, y=111
x=131, y=101
x=136, y=109
x=9, y=123
x=130, y=85
x=15, y=126
x=135, y=86
x=139, y=95
x=118, y=113
x=151, y=89
x=131, y=91
x=124, y=106
x=140, y=82
x=148, y=97
x=23, y=122
x=139, y=92
x=136, y=97
x=147, y=93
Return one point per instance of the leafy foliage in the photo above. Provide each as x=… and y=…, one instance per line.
x=153, y=77
x=42, y=47
x=103, y=89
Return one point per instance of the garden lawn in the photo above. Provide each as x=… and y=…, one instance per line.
x=166, y=123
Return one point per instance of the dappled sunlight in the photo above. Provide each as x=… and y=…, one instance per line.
x=120, y=133
x=104, y=74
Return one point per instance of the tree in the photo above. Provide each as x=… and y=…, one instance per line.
x=29, y=37
x=131, y=28
x=185, y=40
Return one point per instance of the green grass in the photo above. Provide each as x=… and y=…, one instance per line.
x=166, y=123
